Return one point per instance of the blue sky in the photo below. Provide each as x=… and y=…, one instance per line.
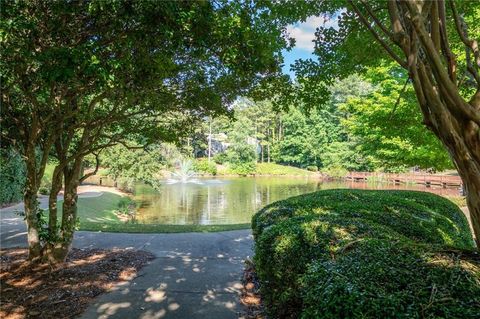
x=304, y=34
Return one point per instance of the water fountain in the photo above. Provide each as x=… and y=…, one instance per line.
x=184, y=174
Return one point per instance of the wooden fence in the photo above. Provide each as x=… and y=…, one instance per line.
x=424, y=179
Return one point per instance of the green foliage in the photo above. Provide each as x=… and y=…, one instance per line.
x=304, y=137
x=241, y=153
x=126, y=205
x=220, y=158
x=351, y=131
x=389, y=128
x=12, y=176
x=346, y=156
x=128, y=166
x=241, y=168
x=388, y=279
x=203, y=165
x=99, y=73
x=318, y=253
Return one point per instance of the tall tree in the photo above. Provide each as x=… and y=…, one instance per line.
x=81, y=76
x=437, y=43
x=388, y=126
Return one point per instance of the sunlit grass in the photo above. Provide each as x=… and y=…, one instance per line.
x=276, y=169
x=158, y=228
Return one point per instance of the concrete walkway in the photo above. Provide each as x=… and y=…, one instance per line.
x=195, y=275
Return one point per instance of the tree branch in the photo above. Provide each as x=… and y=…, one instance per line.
x=459, y=108
x=471, y=45
x=377, y=20
x=377, y=37
x=399, y=98
x=97, y=166
x=447, y=51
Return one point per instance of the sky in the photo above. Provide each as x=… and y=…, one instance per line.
x=304, y=34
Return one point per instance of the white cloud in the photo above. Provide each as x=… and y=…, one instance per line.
x=304, y=33
x=303, y=37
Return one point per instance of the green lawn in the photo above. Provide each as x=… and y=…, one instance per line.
x=99, y=209
x=277, y=169
x=98, y=214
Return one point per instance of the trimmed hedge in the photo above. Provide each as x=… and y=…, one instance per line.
x=365, y=254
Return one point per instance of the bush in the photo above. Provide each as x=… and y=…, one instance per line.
x=12, y=175
x=220, y=158
x=391, y=279
x=312, y=168
x=363, y=254
x=126, y=205
x=202, y=165
x=246, y=168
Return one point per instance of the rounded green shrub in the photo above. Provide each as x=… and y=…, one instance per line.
x=294, y=238
x=202, y=165
x=391, y=279
x=420, y=216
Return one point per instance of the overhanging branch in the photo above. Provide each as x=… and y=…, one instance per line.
x=379, y=39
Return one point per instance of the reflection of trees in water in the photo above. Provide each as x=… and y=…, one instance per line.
x=233, y=201
x=236, y=200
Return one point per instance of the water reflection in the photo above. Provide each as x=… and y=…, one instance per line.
x=233, y=200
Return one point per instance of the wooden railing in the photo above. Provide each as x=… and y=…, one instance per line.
x=425, y=179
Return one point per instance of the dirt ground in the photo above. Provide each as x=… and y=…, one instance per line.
x=44, y=292
x=250, y=297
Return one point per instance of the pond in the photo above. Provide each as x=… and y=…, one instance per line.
x=233, y=200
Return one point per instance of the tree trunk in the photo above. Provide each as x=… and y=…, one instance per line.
x=69, y=214
x=53, y=252
x=31, y=207
x=468, y=166
x=268, y=152
x=472, y=185
x=31, y=217
x=459, y=134
x=52, y=201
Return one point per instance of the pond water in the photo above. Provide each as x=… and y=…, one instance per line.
x=233, y=200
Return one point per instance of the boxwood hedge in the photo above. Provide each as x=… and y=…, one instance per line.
x=366, y=254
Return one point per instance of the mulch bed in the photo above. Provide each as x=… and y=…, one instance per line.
x=250, y=297
x=65, y=292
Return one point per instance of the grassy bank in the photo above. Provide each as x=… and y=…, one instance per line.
x=259, y=169
x=157, y=228
x=366, y=254
x=276, y=170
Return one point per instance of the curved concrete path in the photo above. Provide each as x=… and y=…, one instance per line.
x=195, y=275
